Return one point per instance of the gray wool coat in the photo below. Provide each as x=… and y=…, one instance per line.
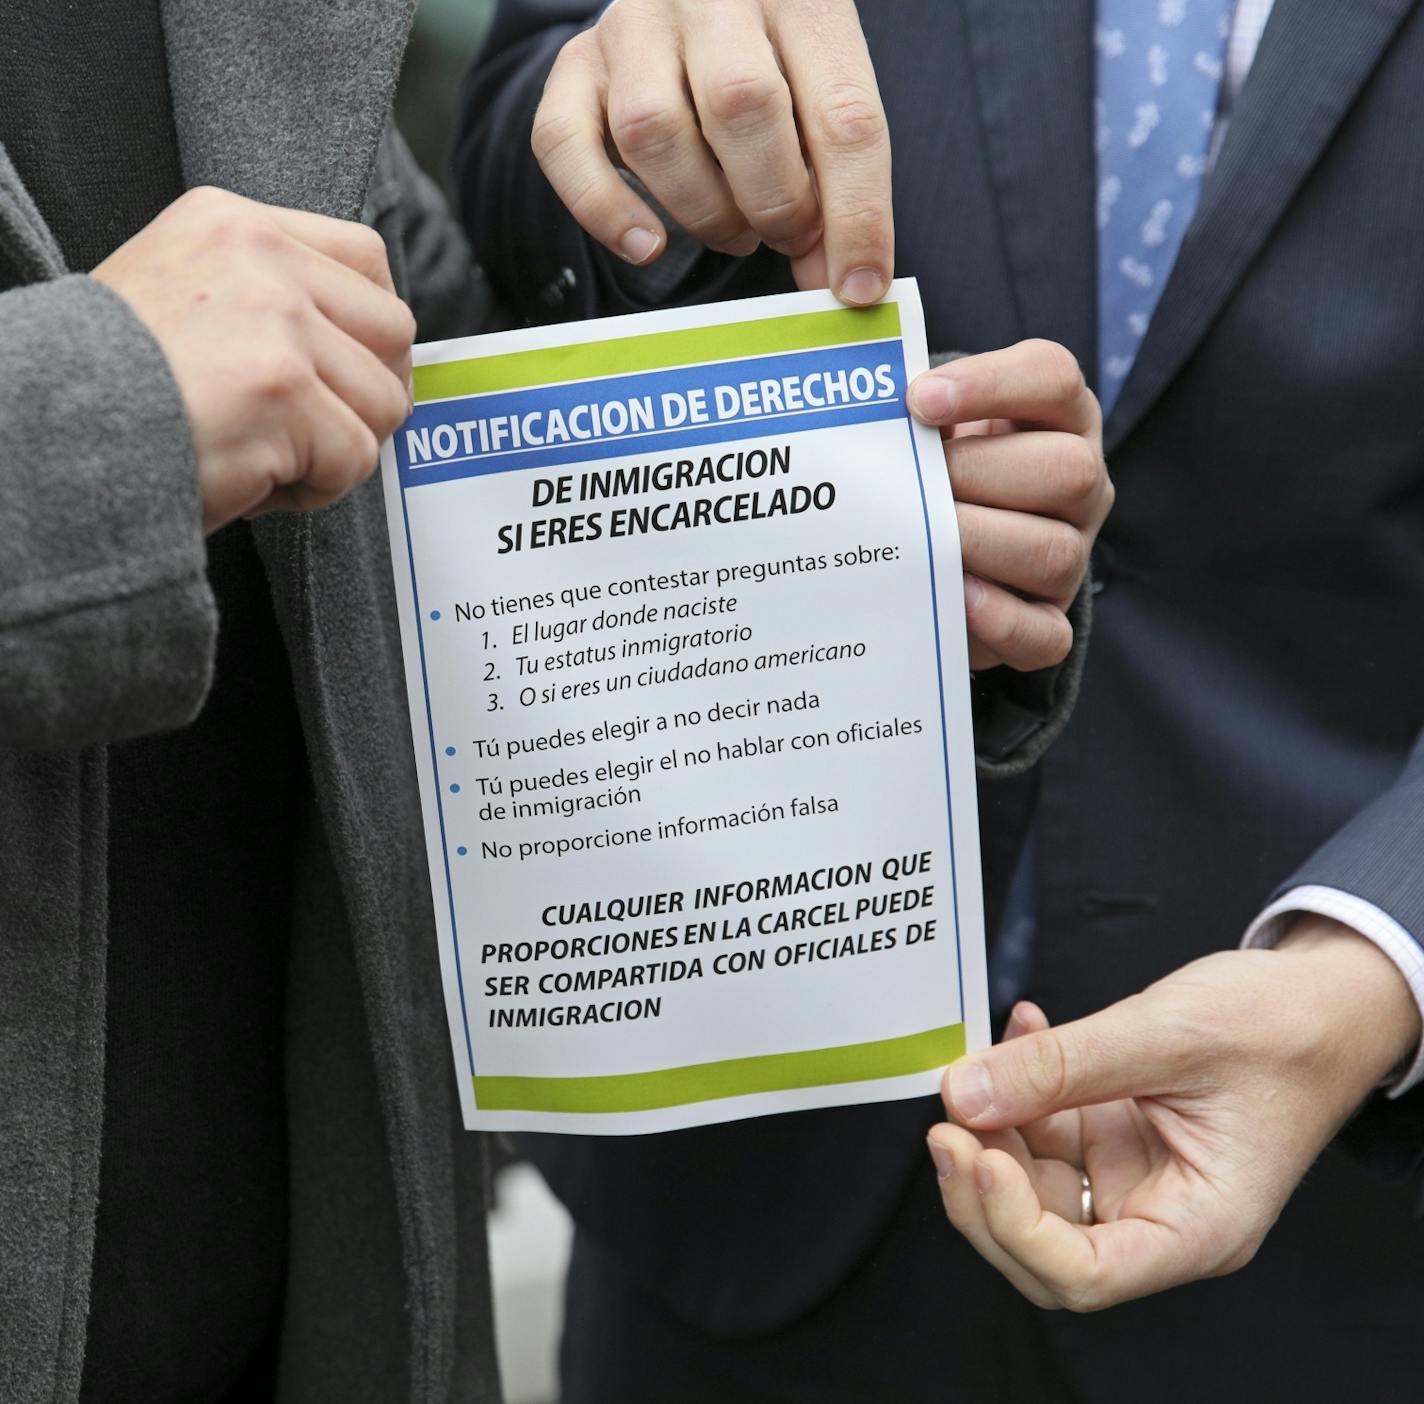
x=107, y=631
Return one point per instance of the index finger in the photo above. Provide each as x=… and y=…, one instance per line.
x=1036, y=384
x=842, y=121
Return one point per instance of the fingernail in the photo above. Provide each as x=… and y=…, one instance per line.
x=862, y=286
x=935, y=399
x=638, y=245
x=974, y=591
x=1013, y=1028
x=983, y=1177
x=943, y=1160
x=971, y=1089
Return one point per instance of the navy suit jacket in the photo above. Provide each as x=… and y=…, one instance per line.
x=1255, y=683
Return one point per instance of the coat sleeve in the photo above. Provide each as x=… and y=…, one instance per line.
x=1379, y=856
x=107, y=624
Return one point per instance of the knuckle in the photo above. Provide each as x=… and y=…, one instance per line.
x=1109, y=491
x=742, y=98
x=645, y=130
x=585, y=47
x=280, y=302
x=1036, y=636
x=553, y=133
x=367, y=250
x=851, y=118
x=391, y=412
x=272, y=459
x=1078, y=471
x=1062, y=559
x=243, y=229
x=309, y=497
x=871, y=225
x=1059, y=643
x=589, y=201
x=357, y=454
x=1083, y=1297
x=206, y=200
x=395, y=330
x=785, y=215
x=1048, y=1067
x=283, y=375
x=1062, y=375
x=1009, y=630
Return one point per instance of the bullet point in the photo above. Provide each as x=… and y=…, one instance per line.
x=435, y=614
x=462, y=850
x=449, y=750
x=454, y=789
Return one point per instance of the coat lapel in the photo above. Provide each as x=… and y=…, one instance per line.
x=1314, y=57
x=1033, y=60
x=25, y=239
x=284, y=102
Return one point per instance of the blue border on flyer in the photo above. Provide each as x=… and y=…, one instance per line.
x=944, y=733
x=943, y=720
x=439, y=805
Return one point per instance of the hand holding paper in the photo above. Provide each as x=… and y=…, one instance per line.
x=1023, y=438
x=754, y=122
x=1194, y=1108
x=682, y=615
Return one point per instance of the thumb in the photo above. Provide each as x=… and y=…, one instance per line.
x=1120, y=1052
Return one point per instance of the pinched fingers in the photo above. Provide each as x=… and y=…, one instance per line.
x=569, y=139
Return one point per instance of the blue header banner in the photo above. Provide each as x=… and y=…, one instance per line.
x=652, y=412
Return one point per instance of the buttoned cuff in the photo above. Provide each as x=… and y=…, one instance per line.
x=1372, y=923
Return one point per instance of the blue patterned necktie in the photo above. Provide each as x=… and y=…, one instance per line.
x=1159, y=77
x=1159, y=69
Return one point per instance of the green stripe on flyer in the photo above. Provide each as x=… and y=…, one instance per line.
x=592, y=360
x=735, y=1077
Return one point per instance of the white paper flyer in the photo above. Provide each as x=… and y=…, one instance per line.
x=683, y=622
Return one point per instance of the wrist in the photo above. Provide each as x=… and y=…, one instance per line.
x=1357, y=1010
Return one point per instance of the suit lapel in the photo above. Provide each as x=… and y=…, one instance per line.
x=1033, y=61
x=284, y=102
x=1314, y=57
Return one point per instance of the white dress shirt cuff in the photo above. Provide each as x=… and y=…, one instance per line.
x=1370, y=922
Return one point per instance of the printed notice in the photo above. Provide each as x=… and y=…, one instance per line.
x=683, y=621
